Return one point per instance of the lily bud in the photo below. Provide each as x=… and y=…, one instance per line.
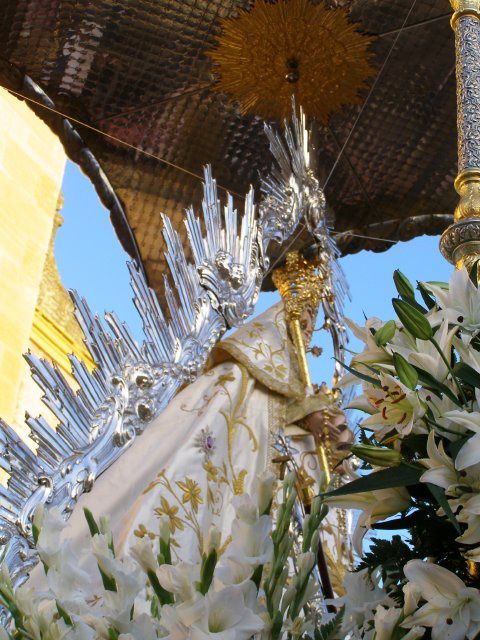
x=406, y=372
x=265, y=486
x=315, y=541
x=164, y=528
x=306, y=562
x=413, y=320
x=403, y=285
x=214, y=539
x=385, y=334
x=377, y=456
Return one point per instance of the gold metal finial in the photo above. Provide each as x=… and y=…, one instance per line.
x=291, y=47
x=299, y=284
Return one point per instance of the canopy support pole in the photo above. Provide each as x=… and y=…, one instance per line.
x=460, y=243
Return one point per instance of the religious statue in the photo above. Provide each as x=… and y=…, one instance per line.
x=220, y=432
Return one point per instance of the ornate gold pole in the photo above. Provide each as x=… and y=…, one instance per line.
x=460, y=243
x=300, y=288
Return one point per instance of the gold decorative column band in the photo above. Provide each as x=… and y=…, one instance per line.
x=464, y=8
x=460, y=243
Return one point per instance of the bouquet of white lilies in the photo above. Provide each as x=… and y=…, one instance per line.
x=420, y=442
x=420, y=450
x=236, y=591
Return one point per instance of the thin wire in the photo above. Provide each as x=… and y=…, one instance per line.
x=289, y=245
x=370, y=93
x=358, y=235
x=120, y=141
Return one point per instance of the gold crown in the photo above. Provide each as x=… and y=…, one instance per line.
x=299, y=284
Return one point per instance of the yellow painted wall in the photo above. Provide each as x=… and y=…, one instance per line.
x=32, y=163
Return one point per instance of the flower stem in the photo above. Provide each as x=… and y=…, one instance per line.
x=452, y=373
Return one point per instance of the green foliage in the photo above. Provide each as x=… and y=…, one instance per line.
x=330, y=630
x=389, y=557
x=401, y=476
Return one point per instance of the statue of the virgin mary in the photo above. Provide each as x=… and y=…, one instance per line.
x=217, y=435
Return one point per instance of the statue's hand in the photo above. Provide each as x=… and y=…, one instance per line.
x=321, y=422
x=332, y=431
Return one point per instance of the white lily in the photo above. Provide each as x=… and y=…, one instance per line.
x=469, y=514
x=374, y=506
x=362, y=595
x=460, y=303
x=140, y=628
x=142, y=552
x=441, y=470
x=251, y=543
x=396, y=406
x=469, y=454
x=226, y=617
x=385, y=621
x=452, y=609
x=441, y=408
x=428, y=358
x=264, y=488
x=229, y=572
x=371, y=354
x=50, y=524
x=246, y=509
x=180, y=579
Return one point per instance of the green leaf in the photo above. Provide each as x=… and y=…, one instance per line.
x=206, y=572
x=164, y=596
x=63, y=614
x=474, y=273
x=92, y=524
x=467, y=374
x=329, y=630
x=432, y=383
x=362, y=376
x=35, y=533
x=413, y=320
x=406, y=372
x=427, y=298
x=385, y=334
x=439, y=494
x=401, y=476
x=455, y=447
x=403, y=285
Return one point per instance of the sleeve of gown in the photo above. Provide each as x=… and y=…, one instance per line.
x=299, y=409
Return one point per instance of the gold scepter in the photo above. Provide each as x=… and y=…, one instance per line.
x=300, y=287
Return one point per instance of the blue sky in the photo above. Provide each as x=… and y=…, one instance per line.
x=91, y=260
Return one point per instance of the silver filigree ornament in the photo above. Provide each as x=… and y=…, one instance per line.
x=133, y=383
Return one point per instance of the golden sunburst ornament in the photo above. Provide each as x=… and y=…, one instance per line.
x=291, y=47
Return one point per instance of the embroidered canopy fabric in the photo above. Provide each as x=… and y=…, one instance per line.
x=137, y=71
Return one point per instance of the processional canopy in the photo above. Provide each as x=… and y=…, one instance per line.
x=142, y=73
x=130, y=86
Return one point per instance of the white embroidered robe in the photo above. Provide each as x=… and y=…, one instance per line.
x=210, y=443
